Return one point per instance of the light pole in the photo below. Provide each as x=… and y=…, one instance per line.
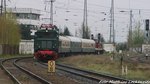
x=5, y=7
x=85, y=20
x=130, y=29
x=51, y=12
x=1, y=7
x=112, y=39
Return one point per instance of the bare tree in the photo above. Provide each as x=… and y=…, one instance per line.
x=137, y=36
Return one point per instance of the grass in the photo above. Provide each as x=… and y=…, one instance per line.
x=10, y=56
x=104, y=64
x=7, y=56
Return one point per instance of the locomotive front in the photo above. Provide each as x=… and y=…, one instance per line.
x=46, y=43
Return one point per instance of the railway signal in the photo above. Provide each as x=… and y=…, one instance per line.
x=147, y=24
x=147, y=30
x=99, y=37
x=92, y=36
x=51, y=66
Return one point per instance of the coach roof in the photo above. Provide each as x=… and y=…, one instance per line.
x=87, y=41
x=74, y=39
x=64, y=38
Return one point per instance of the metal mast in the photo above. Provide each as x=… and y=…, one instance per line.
x=112, y=35
x=130, y=30
x=1, y=7
x=5, y=8
x=51, y=12
x=85, y=19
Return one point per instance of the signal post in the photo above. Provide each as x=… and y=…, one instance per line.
x=146, y=46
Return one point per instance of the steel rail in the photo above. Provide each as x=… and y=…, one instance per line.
x=15, y=80
x=88, y=74
x=94, y=73
x=7, y=71
x=42, y=80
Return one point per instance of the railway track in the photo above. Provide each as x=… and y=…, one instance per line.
x=139, y=59
x=19, y=74
x=93, y=77
x=144, y=59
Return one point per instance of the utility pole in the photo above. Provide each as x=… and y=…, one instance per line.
x=1, y=7
x=5, y=7
x=85, y=19
x=51, y=12
x=130, y=31
x=112, y=35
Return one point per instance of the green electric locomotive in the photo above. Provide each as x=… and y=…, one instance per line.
x=46, y=43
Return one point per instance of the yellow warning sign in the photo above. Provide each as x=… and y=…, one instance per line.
x=51, y=66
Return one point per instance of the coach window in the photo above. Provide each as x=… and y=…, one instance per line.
x=62, y=43
x=75, y=44
x=67, y=43
x=72, y=44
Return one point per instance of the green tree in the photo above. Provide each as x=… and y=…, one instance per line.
x=9, y=31
x=121, y=46
x=102, y=39
x=25, y=32
x=137, y=36
x=66, y=32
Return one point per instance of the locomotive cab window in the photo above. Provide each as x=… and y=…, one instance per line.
x=46, y=35
x=46, y=44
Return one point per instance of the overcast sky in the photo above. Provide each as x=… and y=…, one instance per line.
x=96, y=22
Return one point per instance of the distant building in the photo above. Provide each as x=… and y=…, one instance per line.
x=27, y=16
x=28, y=19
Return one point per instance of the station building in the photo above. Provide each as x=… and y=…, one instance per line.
x=27, y=16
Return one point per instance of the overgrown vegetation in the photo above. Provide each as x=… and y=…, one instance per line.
x=9, y=30
x=105, y=64
x=121, y=46
x=7, y=56
x=136, y=39
x=138, y=36
x=9, y=34
x=10, y=56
